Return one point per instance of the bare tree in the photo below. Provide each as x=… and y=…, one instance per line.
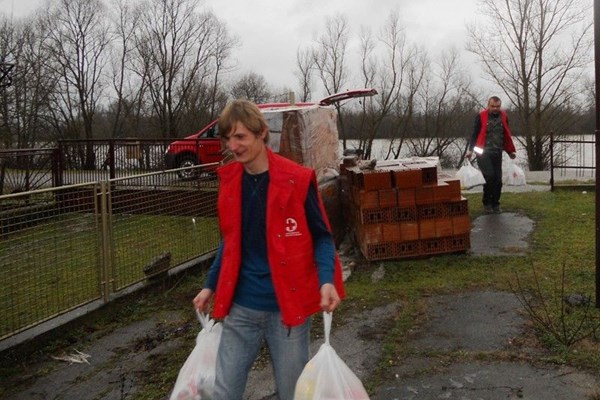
x=444, y=108
x=223, y=46
x=127, y=97
x=387, y=75
x=253, y=87
x=329, y=60
x=305, y=63
x=177, y=47
x=535, y=51
x=77, y=43
x=24, y=103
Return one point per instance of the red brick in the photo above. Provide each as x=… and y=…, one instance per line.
x=433, y=246
x=365, y=198
x=406, y=197
x=427, y=229
x=402, y=214
x=376, y=215
x=458, y=243
x=444, y=227
x=460, y=207
x=407, y=249
x=429, y=175
x=407, y=178
x=376, y=180
x=388, y=198
x=370, y=233
x=379, y=251
x=461, y=224
x=391, y=232
x=455, y=193
x=409, y=231
x=442, y=192
x=428, y=211
x=424, y=195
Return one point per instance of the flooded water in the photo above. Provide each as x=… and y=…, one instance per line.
x=565, y=154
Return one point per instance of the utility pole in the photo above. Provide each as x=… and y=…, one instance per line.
x=597, y=140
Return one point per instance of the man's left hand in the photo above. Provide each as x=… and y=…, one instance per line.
x=512, y=156
x=329, y=297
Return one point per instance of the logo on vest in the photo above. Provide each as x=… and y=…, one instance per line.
x=291, y=226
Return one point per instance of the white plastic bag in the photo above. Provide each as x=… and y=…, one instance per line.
x=512, y=174
x=327, y=377
x=469, y=175
x=196, y=379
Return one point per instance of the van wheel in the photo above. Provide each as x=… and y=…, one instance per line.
x=187, y=161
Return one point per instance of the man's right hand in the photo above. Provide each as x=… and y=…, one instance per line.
x=202, y=299
x=468, y=155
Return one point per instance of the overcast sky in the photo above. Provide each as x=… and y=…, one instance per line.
x=271, y=31
x=271, y=34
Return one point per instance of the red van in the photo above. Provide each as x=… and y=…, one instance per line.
x=204, y=146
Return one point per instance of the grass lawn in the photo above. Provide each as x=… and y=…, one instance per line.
x=59, y=263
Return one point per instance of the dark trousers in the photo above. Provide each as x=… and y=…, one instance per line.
x=490, y=165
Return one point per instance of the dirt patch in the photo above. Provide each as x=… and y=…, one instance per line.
x=111, y=371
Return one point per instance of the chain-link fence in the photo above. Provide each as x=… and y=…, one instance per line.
x=66, y=247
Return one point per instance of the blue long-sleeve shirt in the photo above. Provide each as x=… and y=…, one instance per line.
x=255, y=287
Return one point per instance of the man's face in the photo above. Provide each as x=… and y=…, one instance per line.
x=244, y=144
x=494, y=107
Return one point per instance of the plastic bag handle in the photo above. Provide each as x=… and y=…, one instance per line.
x=327, y=317
x=203, y=318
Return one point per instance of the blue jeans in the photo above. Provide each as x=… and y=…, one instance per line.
x=244, y=330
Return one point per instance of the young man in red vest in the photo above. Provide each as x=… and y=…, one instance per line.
x=491, y=135
x=276, y=264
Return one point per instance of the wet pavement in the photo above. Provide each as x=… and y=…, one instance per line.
x=479, y=331
x=500, y=234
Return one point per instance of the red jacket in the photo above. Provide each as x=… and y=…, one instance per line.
x=509, y=146
x=289, y=242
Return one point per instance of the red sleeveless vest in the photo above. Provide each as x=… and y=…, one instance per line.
x=509, y=146
x=289, y=242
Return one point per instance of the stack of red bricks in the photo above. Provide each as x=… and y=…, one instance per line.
x=404, y=210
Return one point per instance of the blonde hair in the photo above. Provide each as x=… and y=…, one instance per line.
x=246, y=113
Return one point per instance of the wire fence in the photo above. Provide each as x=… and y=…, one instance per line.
x=66, y=247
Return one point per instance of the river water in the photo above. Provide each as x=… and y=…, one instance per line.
x=565, y=154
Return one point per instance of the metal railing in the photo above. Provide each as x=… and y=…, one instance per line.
x=66, y=248
x=572, y=162
x=23, y=170
x=81, y=161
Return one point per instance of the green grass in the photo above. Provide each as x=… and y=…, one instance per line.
x=563, y=235
x=59, y=263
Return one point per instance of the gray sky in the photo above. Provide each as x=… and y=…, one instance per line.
x=271, y=31
x=271, y=34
